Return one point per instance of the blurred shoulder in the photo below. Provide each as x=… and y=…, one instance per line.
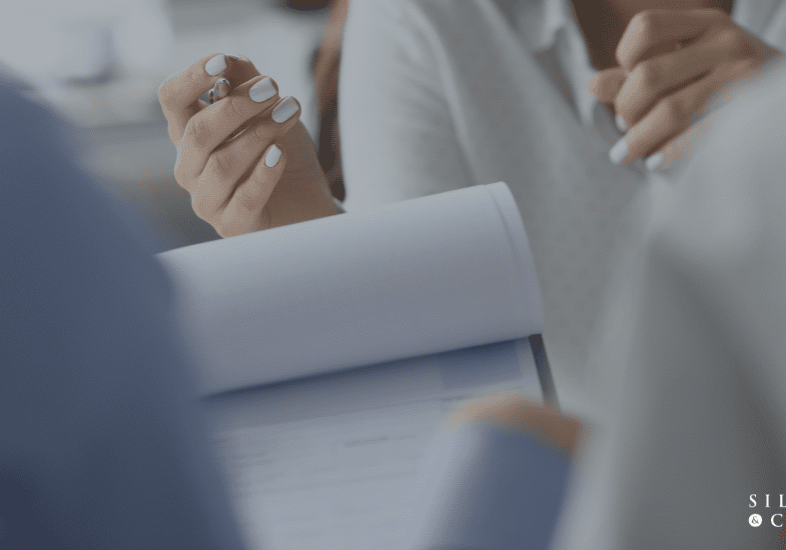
x=739, y=165
x=722, y=222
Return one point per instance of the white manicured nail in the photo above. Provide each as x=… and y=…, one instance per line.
x=285, y=109
x=216, y=64
x=653, y=162
x=262, y=90
x=619, y=152
x=271, y=159
x=620, y=124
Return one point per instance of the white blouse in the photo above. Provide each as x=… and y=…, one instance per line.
x=441, y=94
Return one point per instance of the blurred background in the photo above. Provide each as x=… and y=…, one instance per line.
x=99, y=63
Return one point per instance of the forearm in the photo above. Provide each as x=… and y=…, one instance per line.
x=489, y=488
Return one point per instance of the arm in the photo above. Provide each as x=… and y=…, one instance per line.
x=102, y=443
x=398, y=138
x=495, y=477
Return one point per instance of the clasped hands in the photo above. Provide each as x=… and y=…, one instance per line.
x=670, y=63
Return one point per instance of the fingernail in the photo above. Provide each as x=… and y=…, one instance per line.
x=619, y=152
x=653, y=162
x=271, y=159
x=216, y=64
x=285, y=109
x=620, y=124
x=262, y=90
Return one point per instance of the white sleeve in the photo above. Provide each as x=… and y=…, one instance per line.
x=397, y=135
x=700, y=426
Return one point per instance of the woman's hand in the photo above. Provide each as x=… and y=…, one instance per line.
x=670, y=63
x=265, y=176
x=514, y=413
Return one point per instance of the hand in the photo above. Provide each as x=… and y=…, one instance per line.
x=265, y=176
x=514, y=413
x=670, y=63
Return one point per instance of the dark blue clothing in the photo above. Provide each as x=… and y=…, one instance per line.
x=101, y=445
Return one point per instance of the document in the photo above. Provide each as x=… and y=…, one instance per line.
x=330, y=350
x=332, y=462
x=423, y=276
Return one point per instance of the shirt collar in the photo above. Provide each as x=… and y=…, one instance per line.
x=552, y=24
x=541, y=21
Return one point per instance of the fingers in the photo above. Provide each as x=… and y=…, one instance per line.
x=674, y=113
x=606, y=84
x=211, y=127
x=675, y=150
x=513, y=412
x=179, y=94
x=652, y=32
x=219, y=91
x=663, y=74
x=232, y=162
x=247, y=205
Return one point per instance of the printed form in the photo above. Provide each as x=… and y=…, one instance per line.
x=332, y=462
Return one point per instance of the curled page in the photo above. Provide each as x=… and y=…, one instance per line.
x=423, y=276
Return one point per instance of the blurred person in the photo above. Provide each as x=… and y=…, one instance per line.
x=437, y=95
x=696, y=436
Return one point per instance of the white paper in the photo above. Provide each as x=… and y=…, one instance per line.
x=437, y=273
x=332, y=462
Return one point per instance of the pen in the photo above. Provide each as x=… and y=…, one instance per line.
x=220, y=90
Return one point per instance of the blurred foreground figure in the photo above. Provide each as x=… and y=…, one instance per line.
x=692, y=453
x=696, y=344
x=102, y=445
